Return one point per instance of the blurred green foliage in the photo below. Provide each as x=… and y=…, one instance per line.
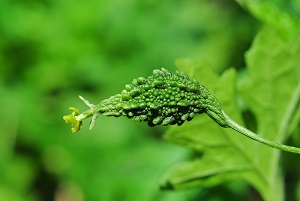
x=53, y=51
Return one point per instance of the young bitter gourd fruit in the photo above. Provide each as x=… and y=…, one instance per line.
x=164, y=98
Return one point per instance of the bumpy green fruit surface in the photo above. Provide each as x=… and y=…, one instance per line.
x=163, y=98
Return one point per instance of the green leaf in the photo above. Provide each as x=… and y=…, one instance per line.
x=272, y=93
x=274, y=15
x=272, y=90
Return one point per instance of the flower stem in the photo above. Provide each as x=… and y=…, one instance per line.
x=235, y=126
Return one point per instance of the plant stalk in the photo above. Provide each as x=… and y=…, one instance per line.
x=235, y=126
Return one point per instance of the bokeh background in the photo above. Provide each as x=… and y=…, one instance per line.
x=51, y=51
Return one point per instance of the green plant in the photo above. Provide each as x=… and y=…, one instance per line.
x=264, y=96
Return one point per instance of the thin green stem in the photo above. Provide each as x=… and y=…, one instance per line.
x=235, y=126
